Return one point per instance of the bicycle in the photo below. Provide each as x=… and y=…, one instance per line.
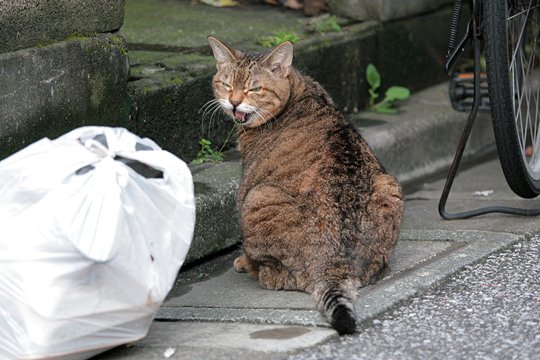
x=507, y=31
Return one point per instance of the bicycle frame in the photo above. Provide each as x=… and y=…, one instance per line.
x=454, y=52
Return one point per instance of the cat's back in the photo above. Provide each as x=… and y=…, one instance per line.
x=309, y=145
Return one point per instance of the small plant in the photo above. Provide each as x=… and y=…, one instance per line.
x=392, y=94
x=329, y=24
x=277, y=38
x=207, y=153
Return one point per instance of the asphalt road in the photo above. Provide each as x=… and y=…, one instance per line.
x=489, y=310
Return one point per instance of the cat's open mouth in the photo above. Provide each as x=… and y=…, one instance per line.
x=241, y=117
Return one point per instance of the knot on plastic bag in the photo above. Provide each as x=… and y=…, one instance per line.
x=98, y=148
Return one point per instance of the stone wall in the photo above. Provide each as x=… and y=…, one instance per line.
x=63, y=64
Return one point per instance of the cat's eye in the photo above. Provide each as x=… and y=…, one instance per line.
x=226, y=86
x=256, y=89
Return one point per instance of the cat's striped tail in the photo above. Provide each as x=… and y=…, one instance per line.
x=335, y=300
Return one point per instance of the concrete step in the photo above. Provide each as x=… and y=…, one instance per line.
x=171, y=64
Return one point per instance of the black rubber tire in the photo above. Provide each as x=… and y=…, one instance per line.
x=493, y=25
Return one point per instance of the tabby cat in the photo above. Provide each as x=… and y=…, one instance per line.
x=318, y=212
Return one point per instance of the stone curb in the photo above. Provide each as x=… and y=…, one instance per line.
x=27, y=23
x=169, y=89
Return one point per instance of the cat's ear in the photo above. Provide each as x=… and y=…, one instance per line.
x=223, y=53
x=280, y=59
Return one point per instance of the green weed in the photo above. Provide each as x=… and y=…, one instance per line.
x=207, y=153
x=392, y=94
x=329, y=24
x=277, y=38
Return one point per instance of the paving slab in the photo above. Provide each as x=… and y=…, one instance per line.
x=236, y=326
x=464, y=196
x=214, y=341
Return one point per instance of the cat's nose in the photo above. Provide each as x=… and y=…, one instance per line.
x=235, y=103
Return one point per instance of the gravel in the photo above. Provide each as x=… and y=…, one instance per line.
x=489, y=310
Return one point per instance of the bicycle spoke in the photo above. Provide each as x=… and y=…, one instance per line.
x=522, y=35
x=530, y=94
x=535, y=160
x=517, y=76
x=531, y=116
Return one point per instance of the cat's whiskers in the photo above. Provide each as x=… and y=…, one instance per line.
x=208, y=103
x=208, y=108
x=212, y=112
x=259, y=113
x=265, y=113
x=240, y=127
x=215, y=115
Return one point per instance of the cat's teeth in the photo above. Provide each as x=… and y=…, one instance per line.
x=240, y=115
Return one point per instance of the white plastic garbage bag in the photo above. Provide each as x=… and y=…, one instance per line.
x=94, y=227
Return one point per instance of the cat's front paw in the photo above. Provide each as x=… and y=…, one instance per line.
x=241, y=264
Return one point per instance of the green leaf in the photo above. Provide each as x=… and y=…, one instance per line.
x=216, y=156
x=329, y=24
x=207, y=153
x=373, y=77
x=373, y=96
x=385, y=107
x=277, y=38
x=385, y=110
x=397, y=93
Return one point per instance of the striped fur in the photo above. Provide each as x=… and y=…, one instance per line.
x=335, y=300
x=318, y=212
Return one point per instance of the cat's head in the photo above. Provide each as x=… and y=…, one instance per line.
x=251, y=88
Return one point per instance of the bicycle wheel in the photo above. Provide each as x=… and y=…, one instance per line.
x=510, y=31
